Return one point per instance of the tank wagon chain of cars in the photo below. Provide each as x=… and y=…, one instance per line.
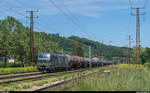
x=51, y=62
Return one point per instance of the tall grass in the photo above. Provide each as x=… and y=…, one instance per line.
x=122, y=78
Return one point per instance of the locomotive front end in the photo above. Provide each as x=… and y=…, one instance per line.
x=43, y=61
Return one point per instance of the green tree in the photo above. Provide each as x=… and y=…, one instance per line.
x=14, y=39
x=133, y=56
x=145, y=56
x=78, y=50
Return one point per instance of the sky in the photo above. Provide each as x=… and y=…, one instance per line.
x=106, y=21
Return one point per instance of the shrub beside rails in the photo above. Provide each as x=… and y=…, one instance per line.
x=17, y=70
x=147, y=64
x=17, y=64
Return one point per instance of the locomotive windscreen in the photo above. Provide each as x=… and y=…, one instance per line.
x=44, y=56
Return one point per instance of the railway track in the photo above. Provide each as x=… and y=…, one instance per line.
x=18, y=73
x=33, y=77
x=5, y=77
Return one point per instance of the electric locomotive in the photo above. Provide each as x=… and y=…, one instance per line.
x=51, y=62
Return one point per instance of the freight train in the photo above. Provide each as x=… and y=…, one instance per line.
x=51, y=62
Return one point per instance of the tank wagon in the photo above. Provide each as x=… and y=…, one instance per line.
x=51, y=62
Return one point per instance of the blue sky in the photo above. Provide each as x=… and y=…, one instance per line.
x=99, y=20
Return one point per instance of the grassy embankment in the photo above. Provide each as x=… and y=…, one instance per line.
x=121, y=78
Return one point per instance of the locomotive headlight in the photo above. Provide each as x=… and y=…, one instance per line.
x=48, y=55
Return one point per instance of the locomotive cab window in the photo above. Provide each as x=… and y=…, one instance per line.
x=44, y=57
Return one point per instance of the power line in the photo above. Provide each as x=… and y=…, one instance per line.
x=52, y=26
x=77, y=20
x=71, y=18
x=20, y=3
x=41, y=25
x=68, y=16
x=129, y=23
x=13, y=10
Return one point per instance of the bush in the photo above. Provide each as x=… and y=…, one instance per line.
x=147, y=64
x=17, y=70
x=17, y=64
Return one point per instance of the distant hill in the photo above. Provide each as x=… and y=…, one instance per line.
x=97, y=48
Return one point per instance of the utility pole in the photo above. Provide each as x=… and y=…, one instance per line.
x=137, y=31
x=31, y=54
x=89, y=51
x=102, y=56
x=129, y=49
x=90, y=56
x=62, y=50
x=126, y=56
x=102, y=53
x=127, y=59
